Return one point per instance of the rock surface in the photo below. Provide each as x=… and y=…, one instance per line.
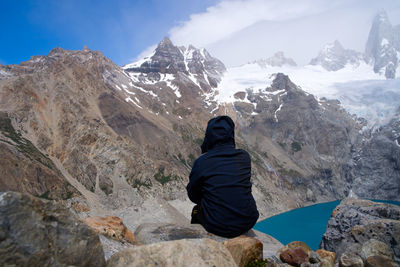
x=149, y=233
x=244, y=249
x=186, y=252
x=35, y=232
x=112, y=227
x=364, y=228
x=383, y=46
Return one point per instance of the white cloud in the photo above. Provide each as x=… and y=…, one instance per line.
x=228, y=17
x=239, y=31
x=144, y=53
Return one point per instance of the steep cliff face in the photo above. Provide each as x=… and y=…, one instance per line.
x=383, y=46
x=305, y=142
x=377, y=163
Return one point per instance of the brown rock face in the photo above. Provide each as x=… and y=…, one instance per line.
x=112, y=227
x=25, y=169
x=379, y=261
x=37, y=232
x=244, y=249
x=294, y=256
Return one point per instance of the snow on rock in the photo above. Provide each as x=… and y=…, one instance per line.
x=359, y=89
x=276, y=111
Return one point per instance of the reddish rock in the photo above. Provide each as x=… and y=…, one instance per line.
x=112, y=227
x=80, y=207
x=294, y=256
x=299, y=244
x=244, y=249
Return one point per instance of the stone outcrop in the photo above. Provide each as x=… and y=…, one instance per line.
x=364, y=229
x=36, y=232
x=111, y=226
x=186, y=252
x=150, y=233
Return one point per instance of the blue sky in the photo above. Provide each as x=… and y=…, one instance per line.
x=235, y=31
x=121, y=29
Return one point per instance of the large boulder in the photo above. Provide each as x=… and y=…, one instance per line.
x=244, y=249
x=149, y=233
x=37, y=232
x=185, y=252
x=365, y=229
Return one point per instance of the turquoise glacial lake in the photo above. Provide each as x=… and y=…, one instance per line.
x=306, y=224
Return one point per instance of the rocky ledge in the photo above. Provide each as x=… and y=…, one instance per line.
x=364, y=233
x=38, y=232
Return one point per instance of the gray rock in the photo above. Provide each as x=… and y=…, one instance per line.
x=314, y=257
x=186, y=252
x=36, y=232
x=149, y=233
x=377, y=164
x=359, y=226
x=374, y=247
x=350, y=260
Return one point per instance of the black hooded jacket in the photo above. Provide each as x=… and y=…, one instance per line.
x=220, y=182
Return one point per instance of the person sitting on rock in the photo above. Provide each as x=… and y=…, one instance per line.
x=219, y=183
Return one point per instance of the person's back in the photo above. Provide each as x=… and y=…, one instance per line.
x=220, y=182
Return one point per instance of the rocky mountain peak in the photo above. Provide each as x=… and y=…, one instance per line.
x=334, y=57
x=277, y=60
x=185, y=65
x=383, y=45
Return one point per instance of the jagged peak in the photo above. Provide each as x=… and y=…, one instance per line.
x=166, y=42
x=382, y=17
x=334, y=46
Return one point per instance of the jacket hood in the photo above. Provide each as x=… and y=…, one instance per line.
x=220, y=131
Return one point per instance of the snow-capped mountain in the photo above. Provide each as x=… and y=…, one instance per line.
x=334, y=57
x=196, y=64
x=383, y=46
x=277, y=60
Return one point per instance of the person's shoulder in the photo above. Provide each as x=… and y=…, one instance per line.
x=201, y=159
x=243, y=153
